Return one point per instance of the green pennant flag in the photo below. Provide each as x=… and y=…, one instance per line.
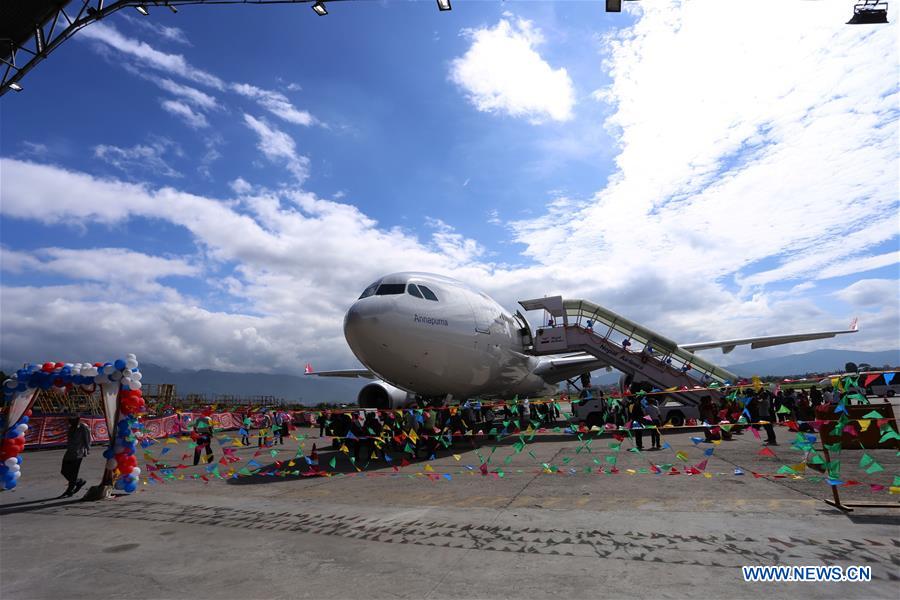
x=816, y=459
x=866, y=460
x=783, y=410
x=874, y=468
x=610, y=459
x=888, y=434
x=507, y=460
x=333, y=462
x=244, y=471
x=786, y=470
x=872, y=414
x=835, y=448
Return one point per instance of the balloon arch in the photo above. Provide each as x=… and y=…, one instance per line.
x=119, y=384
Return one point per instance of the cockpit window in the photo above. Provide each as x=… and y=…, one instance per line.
x=390, y=289
x=429, y=295
x=369, y=291
x=413, y=291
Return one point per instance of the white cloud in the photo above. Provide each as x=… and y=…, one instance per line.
x=503, y=72
x=277, y=146
x=240, y=186
x=141, y=158
x=147, y=55
x=193, y=119
x=121, y=266
x=189, y=94
x=297, y=268
x=861, y=265
x=274, y=102
x=171, y=34
x=869, y=292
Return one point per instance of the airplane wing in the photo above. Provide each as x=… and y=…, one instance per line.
x=351, y=373
x=769, y=340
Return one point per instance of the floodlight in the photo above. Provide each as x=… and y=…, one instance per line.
x=869, y=12
x=613, y=5
x=444, y=5
x=320, y=9
x=15, y=87
x=142, y=9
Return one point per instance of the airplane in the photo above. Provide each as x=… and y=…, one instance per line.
x=423, y=336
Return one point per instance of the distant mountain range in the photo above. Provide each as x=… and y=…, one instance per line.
x=312, y=390
x=298, y=389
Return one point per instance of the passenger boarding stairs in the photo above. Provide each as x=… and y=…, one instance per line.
x=582, y=326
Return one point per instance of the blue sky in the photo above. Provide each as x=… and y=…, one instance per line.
x=212, y=188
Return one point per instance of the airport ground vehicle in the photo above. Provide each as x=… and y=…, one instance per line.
x=671, y=410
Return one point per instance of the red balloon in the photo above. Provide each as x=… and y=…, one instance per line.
x=47, y=367
x=28, y=413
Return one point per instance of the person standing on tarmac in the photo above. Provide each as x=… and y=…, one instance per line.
x=652, y=410
x=78, y=446
x=764, y=409
x=203, y=432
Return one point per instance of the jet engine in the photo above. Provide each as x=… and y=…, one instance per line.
x=382, y=395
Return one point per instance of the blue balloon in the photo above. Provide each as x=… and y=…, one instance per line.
x=108, y=453
x=129, y=487
x=120, y=364
x=19, y=459
x=24, y=419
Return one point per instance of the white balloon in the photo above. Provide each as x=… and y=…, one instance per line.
x=131, y=363
x=130, y=356
x=9, y=462
x=135, y=385
x=17, y=474
x=127, y=381
x=136, y=471
x=21, y=428
x=15, y=468
x=115, y=376
x=10, y=383
x=137, y=376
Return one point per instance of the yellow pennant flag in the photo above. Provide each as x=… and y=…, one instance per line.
x=799, y=467
x=344, y=449
x=864, y=424
x=457, y=457
x=630, y=471
x=707, y=475
x=428, y=468
x=757, y=383
x=413, y=436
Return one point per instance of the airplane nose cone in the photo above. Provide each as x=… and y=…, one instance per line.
x=360, y=324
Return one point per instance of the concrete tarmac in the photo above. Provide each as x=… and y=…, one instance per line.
x=414, y=533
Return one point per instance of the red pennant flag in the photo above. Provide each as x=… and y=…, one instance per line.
x=766, y=452
x=701, y=466
x=404, y=463
x=483, y=468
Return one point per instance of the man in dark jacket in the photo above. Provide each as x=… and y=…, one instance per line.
x=78, y=446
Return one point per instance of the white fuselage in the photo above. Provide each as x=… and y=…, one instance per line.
x=463, y=343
